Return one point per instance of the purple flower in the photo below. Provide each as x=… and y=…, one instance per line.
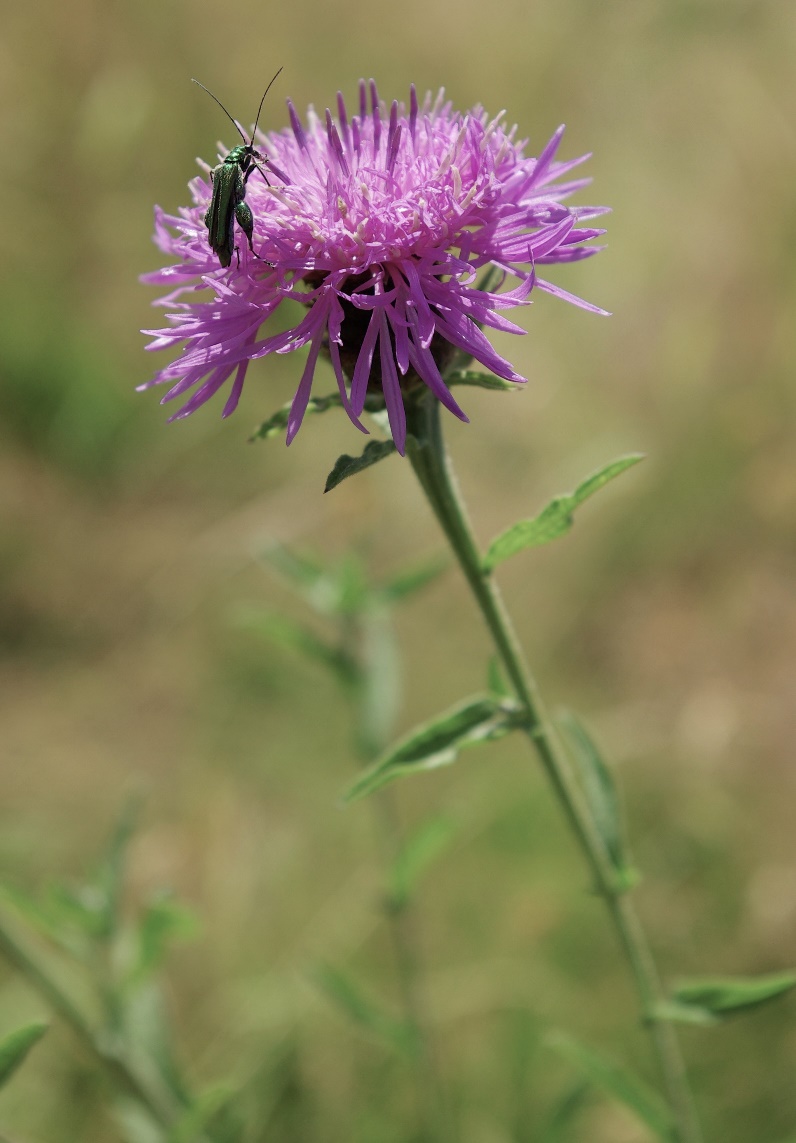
x=378, y=225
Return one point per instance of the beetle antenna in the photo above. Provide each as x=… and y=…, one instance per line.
x=259, y=109
x=223, y=108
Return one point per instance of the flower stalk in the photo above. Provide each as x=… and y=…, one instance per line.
x=427, y=454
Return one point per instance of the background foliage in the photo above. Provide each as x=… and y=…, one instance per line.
x=128, y=548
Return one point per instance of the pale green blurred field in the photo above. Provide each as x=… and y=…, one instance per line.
x=667, y=618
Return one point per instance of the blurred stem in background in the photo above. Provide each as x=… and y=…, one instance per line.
x=114, y=1006
x=427, y=453
x=364, y=661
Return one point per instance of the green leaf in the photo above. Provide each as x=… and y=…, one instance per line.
x=419, y=850
x=339, y=589
x=135, y=1123
x=600, y=791
x=146, y=1029
x=673, y=1011
x=299, y=569
x=277, y=423
x=721, y=997
x=495, y=679
x=362, y=1010
x=163, y=921
x=346, y=465
x=482, y=380
x=564, y=1111
x=379, y=689
x=202, y=1111
x=110, y=877
x=15, y=1047
x=556, y=518
x=438, y=742
x=296, y=637
x=623, y=1085
x=412, y=580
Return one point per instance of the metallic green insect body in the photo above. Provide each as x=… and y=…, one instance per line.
x=229, y=179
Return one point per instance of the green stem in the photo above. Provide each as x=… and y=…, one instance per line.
x=427, y=454
x=432, y=1120
x=146, y=1089
x=430, y=1103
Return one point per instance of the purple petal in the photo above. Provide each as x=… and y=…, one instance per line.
x=565, y=296
x=391, y=387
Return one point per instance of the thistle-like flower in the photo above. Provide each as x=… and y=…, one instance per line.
x=382, y=226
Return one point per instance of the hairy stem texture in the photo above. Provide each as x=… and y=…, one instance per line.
x=432, y=468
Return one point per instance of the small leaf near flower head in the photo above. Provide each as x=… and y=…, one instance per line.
x=15, y=1047
x=346, y=465
x=556, y=518
x=482, y=380
x=720, y=997
x=277, y=423
x=438, y=742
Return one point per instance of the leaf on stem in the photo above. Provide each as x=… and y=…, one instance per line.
x=616, y=1081
x=556, y=518
x=193, y=1121
x=418, y=851
x=602, y=796
x=481, y=380
x=438, y=742
x=277, y=423
x=15, y=1047
x=346, y=465
x=363, y=1011
x=287, y=633
x=412, y=580
x=564, y=1112
x=495, y=679
x=708, y=1000
x=164, y=920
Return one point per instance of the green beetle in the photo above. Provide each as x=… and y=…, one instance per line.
x=229, y=180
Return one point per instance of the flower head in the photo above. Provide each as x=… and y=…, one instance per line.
x=379, y=225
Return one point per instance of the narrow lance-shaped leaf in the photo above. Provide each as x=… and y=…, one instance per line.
x=333, y=589
x=361, y=1009
x=193, y=1121
x=599, y=789
x=163, y=921
x=277, y=423
x=416, y=854
x=482, y=380
x=299, y=569
x=15, y=1047
x=624, y=1086
x=495, y=679
x=556, y=518
x=286, y=633
x=438, y=742
x=564, y=1112
x=724, y=996
x=346, y=465
x=112, y=870
x=412, y=580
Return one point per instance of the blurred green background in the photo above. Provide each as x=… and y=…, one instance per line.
x=667, y=617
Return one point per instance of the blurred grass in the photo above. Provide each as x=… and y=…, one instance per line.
x=667, y=617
